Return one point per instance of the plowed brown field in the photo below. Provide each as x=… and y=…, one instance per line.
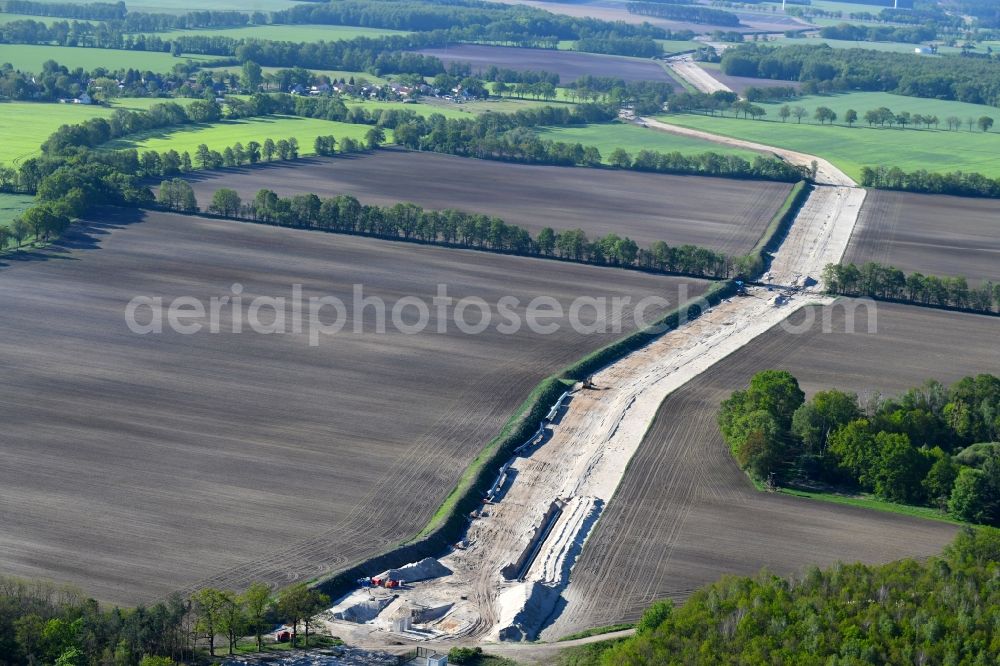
x=134, y=465
x=684, y=514
x=726, y=215
x=569, y=65
x=932, y=234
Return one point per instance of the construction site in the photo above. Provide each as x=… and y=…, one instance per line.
x=507, y=579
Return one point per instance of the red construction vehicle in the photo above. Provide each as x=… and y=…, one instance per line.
x=384, y=582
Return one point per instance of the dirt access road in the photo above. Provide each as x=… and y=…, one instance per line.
x=825, y=223
x=826, y=173
x=508, y=582
x=685, y=67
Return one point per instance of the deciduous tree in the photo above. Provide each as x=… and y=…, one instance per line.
x=256, y=601
x=225, y=202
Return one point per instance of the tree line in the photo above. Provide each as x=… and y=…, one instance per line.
x=922, y=13
x=151, y=164
x=434, y=24
x=510, y=137
x=906, y=13
x=42, y=623
x=876, y=33
x=912, y=449
x=119, y=19
x=690, y=13
x=71, y=179
x=68, y=189
x=884, y=115
x=728, y=166
x=645, y=97
x=770, y=94
x=721, y=101
x=636, y=47
x=453, y=228
x=112, y=176
x=389, y=54
x=408, y=15
x=823, y=69
x=986, y=12
x=958, y=183
x=39, y=223
x=468, y=20
x=878, y=281
x=97, y=11
x=98, y=131
x=54, y=81
x=490, y=136
x=223, y=613
x=935, y=611
x=541, y=90
x=503, y=74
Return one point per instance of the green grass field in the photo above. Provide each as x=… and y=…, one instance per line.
x=143, y=103
x=30, y=57
x=332, y=73
x=562, y=95
x=846, y=7
x=47, y=20
x=871, y=502
x=218, y=136
x=607, y=137
x=669, y=45
x=677, y=45
x=286, y=33
x=894, y=47
x=447, y=110
x=182, y=6
x=12, y=205
x=863, y=101
x=852, y=148
x=25, y=125
x=494, y=105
